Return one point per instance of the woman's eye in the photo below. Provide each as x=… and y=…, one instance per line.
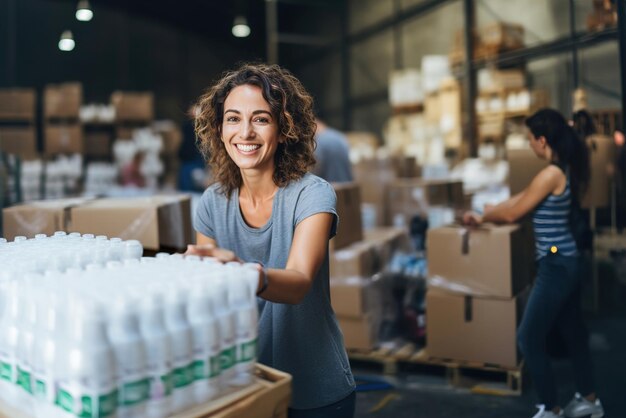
x=231, y=119
x=262, y=120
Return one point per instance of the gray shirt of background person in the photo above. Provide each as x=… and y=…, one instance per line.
x=303, y=340
x=332, y=155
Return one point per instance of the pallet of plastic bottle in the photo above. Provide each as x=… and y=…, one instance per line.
x=267, y=397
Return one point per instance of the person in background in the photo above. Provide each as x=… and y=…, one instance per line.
x=192, y=164
x=257, y=128
x=131, y=172
x=555, y=297
x=332, y=154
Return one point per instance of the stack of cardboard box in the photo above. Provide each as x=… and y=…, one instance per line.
x=159, y=222
x=478, y=285
x=63, y=133
x=17, y=114
x=132, y=110
x=355, y=257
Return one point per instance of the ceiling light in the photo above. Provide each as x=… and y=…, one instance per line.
x=67, y=41
x=240, y=27
x=83, y=11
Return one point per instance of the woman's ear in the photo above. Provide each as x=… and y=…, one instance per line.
x=542, y=140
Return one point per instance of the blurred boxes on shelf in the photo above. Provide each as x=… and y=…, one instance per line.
x=63, y=139
x=603, y=15
x=491, y=79
x=97, y=144
x=489, y=41
x=133, y=106
x=17, y=104
x=19, y=140
x=172, y=136
x=494, y=261
x=360, y=333
x=63, y=101
x=350, y=228
x=474, y=329
x=405, y=88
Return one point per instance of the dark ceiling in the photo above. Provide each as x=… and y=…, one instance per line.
x=209, y=18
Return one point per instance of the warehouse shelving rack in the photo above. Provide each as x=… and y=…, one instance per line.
x=571, y=43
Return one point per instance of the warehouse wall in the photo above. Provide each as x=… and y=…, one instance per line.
x=372, y=60
x=114, y=51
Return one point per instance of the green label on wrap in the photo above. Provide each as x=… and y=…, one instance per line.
x=134, y=392
x=182, y=376
x=247, y=351
x=6, y=371
x=228, y=357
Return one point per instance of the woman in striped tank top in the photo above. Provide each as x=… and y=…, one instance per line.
x=555, y=297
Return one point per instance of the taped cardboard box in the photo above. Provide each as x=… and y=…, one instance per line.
x=267, y=397
x=63, y=139
x=157, y=221
x=474, y=329
x=355, y=297
x=41, y=217
x=350, y=227
x=370, y=256
x=410, y=197
x=487, y=261
x=62, y=100
x=133, y=106
x=17, y=104
x=21, y=141
x=360, y=333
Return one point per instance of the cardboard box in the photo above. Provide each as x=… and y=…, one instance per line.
x=487, y=261
x=157, y=221
x=133, y=106
x=21, y=141
x=97, y=144
x=410, y=197
x=62, y=100
x=350, y=227
x=63, y=139
x=42, y=217
x=601, y=156
x=473, y=329
x=17, y=104
x=355, y=297
x=267, y=397
x=374, y=177
x=360, y=333
x=524, y=165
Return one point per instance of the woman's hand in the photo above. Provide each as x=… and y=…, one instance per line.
x=472, y=219
x=210, y=250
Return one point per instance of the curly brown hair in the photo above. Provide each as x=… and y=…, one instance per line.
x=290, y=105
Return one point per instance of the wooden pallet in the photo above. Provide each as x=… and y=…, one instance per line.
x=477, y=377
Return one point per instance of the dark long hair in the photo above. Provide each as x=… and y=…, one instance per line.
x=569, y=149
x=583, y=124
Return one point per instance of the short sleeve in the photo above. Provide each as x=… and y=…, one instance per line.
x=203, y=221
x=317, y=197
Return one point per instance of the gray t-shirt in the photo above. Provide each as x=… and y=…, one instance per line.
x=333, y=156
x=303, y=340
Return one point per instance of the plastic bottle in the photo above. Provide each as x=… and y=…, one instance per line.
x=242, y=301
x=130, y=356
x=226, y=321
x=159, y=356
x=87, y=386
x=206, y=345
x=178, y=327
x=9, y=329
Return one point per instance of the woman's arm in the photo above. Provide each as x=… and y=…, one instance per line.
x=544, y=183
x=308, y=250
x=291, y=284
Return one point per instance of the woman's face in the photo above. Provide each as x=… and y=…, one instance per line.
x=249, y=131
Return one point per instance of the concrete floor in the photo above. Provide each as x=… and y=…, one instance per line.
x=428, y=396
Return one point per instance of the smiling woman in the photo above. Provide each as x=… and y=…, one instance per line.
x=258, y=128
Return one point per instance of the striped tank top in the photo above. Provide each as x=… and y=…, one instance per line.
x=551, y=225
